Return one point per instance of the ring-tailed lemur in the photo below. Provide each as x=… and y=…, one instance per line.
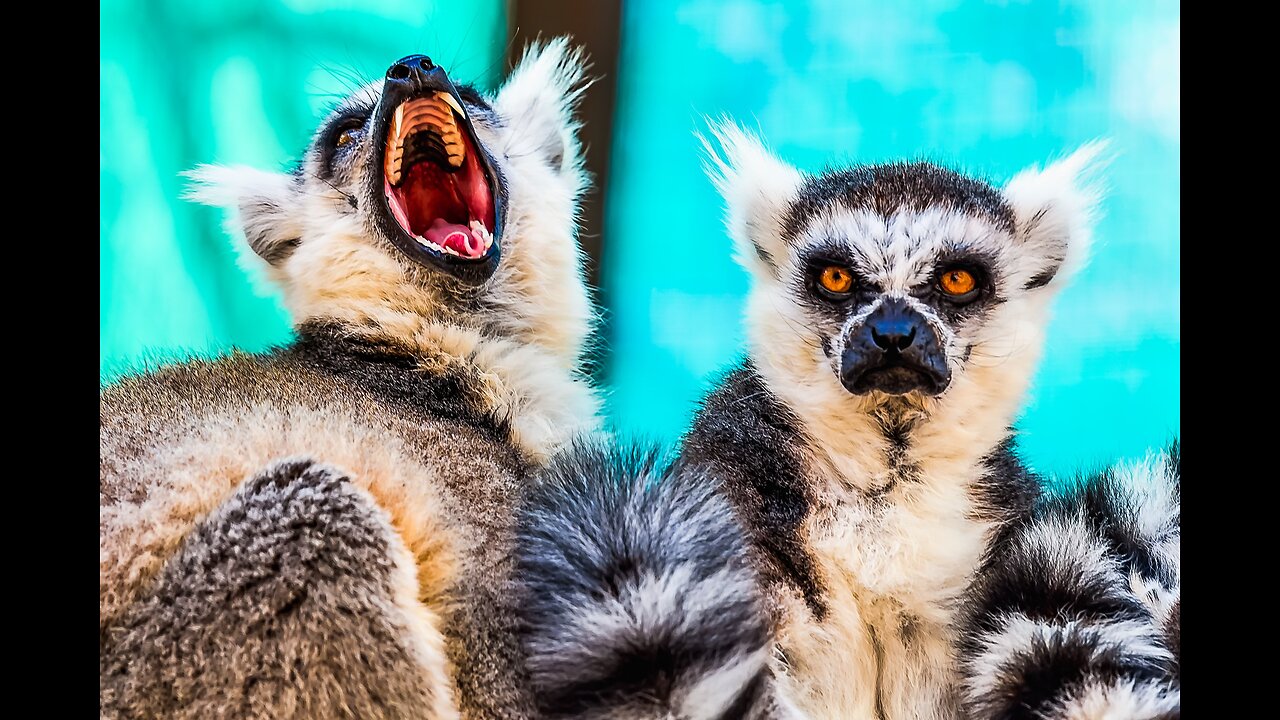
x=324, y=529
x=895, y=319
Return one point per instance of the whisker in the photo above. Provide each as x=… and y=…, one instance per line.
x=351, y=199
x=807, y=340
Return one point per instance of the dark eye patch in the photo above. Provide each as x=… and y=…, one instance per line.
x=986, y=290
x=352, y=118
x=821, y=257
x=975, y=262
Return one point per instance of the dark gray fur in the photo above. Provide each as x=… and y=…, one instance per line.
x=744, y=436
x=278, y=605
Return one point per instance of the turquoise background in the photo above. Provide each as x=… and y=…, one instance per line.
x=988, y=87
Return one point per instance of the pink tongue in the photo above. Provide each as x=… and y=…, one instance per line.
x=456, y=237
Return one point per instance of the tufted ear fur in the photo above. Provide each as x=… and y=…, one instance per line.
x=265, y=205
x=757, y=188
x=1054, y=210
x=538, y=101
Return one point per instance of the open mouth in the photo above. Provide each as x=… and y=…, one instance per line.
x=435, y=179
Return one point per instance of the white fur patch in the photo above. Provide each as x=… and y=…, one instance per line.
x=757, y=188
x=538, y=100
x=1056, y=207
x=1147, y=488
x=263, y=208
x=1121, y=700
x=1068, y=546
x=1002, y=650
x=716, y=690
x=654, y=602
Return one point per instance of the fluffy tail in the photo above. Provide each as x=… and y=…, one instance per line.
x=640, y=598
x=1077, y=615
x=296, y=598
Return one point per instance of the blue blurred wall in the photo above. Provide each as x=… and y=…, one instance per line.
x=986, y=87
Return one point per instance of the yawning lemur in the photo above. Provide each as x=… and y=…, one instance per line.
x=895, y=319
x=324, y=529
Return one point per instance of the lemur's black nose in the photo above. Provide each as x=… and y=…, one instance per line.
x=893, y=327
x=895, y=351
x=411, y=69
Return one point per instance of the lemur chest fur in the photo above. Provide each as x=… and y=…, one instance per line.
x=893, y=564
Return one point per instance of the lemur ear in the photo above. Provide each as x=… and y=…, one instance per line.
x=1054, y=210
x=264, y=203
x=538, y=101
x=757, y=188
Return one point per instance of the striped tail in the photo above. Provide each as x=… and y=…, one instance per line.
x=640, y=601
x=1076, y=614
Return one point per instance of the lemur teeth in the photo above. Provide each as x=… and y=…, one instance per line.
x=488, y=241
x=453, y=103
x=479, y=230
x=435, y=115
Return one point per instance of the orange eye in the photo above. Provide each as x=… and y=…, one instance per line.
x=958, y=282
x=346, y=137
x=835, y=279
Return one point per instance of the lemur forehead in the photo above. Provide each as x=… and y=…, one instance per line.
x=886, y=189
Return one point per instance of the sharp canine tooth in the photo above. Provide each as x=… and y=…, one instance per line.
x=453, y=103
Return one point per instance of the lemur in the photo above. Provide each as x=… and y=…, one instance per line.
x=895, y=319
x=324, y=529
